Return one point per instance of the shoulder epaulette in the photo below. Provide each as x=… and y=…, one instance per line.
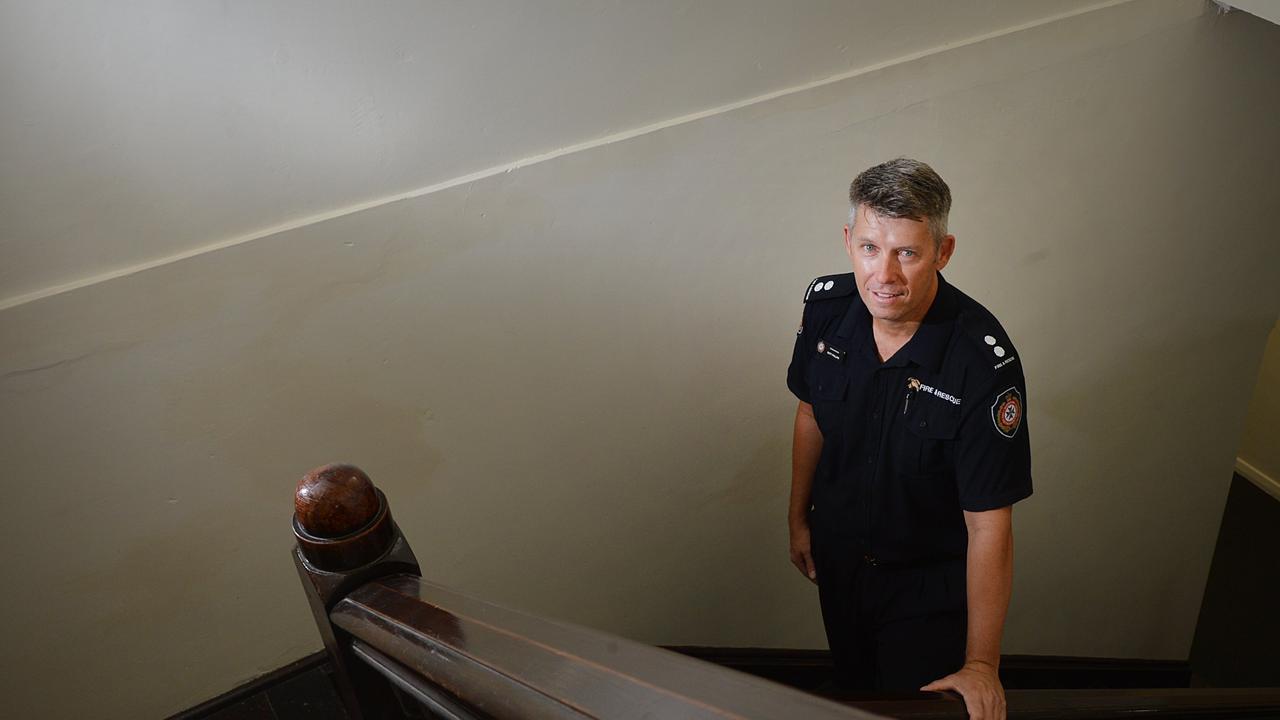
x=830, y=286
x=985, y=332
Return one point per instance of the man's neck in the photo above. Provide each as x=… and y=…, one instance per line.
x=891, y=336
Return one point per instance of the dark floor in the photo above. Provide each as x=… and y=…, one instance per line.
x=1237, y=641
x=305, y=694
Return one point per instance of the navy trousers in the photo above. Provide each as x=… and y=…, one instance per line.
x=890, y=628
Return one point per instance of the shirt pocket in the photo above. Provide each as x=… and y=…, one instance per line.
x=828, y=388
x=929, y=441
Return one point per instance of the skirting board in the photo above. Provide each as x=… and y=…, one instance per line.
x=1265, y=482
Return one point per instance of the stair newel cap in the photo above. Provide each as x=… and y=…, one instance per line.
x=335, y=500
x=340, y=520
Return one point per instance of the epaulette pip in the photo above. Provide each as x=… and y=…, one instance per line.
x=830, y=286
x=991, y=338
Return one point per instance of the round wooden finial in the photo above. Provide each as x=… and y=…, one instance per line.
x=335, y=500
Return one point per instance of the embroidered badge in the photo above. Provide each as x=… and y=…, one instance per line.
x=915, y=385
x=822, y=346
x=1006, y=413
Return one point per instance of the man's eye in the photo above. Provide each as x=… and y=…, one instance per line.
x=868, y=248
x=908, y=253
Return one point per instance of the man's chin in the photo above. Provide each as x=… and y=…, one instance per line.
x=885, y=315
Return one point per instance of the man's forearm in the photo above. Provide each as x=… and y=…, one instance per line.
x=806, y=447
x=989, y=575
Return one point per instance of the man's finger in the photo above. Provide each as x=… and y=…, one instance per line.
x=977, y=710
x=938, y=685
x=980, y=705
x=809, y=568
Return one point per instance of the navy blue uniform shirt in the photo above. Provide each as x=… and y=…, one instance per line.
x=910, y=443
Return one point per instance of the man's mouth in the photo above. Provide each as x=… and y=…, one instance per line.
x=885, y=295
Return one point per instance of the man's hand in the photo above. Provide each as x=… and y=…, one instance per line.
x=979, y=684
x=801, y=555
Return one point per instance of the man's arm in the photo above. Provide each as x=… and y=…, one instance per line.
x=989, y=577
x=990, y=581
x=806, y=447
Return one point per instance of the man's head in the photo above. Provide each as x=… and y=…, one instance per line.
x=897, y=238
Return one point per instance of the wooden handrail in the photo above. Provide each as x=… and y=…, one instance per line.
x=506, y=663
x=392, y=635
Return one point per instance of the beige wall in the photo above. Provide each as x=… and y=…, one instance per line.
x=1260, y=445
x=569, y=378
x=134, y=132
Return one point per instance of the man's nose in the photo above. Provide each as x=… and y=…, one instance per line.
x=888, y=271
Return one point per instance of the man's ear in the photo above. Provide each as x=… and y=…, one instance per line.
x=848, y=241
x=945, y=249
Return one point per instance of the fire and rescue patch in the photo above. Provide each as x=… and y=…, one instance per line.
x=1006, y=413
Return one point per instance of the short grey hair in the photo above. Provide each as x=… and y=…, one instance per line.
x=903, y=188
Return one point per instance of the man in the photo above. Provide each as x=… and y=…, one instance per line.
x=910, y=449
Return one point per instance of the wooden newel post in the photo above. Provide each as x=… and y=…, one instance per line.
x=346, y=538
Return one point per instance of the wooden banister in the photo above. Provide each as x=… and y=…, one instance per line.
x=405, y=647
x=345, y=538
x=511, y=664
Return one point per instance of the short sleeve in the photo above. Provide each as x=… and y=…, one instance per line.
x=798, y=371
x=993, y=452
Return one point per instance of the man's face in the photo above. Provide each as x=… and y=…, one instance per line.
x=895, y=261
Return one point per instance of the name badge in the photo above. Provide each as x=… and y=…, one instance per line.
x=831, y=352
